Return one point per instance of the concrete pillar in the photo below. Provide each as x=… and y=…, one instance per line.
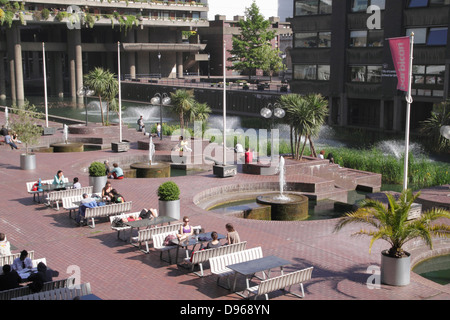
x=179, y=56
x=10, y=59
x=78, y=59
x=58, y=75
x=2, y=77
x=143, y=59
x=20, y=95
x=131, y=56
x=71, y=62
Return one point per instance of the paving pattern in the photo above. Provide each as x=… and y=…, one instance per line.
x=118, y=271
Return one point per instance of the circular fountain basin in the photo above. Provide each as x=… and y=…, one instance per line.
x=155, y=170
x=68, y=147
x=288, y=207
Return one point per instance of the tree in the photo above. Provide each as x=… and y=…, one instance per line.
x=390, y=223
x=25, y=124
x=431, y=127
x=273, y=61
x=246, y=54
x=317, y=110
x=182, y=101
x=200, y=112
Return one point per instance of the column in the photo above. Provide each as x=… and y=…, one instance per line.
x=131, y=56
x=78, y=59
x=71, y=62
x=2, y=77
x=179, y=56
x=143, y=59
x=59, y=81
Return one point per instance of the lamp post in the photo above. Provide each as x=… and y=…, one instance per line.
x=159, y=64
x=161, y=99
x=209, y=66
x=272, y=111
x=85, y=92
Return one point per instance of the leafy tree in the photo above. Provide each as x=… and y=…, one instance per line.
x=273, y=61
x=25, y=124
x=246, y=54
x=390, y=223
x=182, y=102
x=431, y=127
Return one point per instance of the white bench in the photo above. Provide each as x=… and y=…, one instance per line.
x=135, y=215
x=158, y=244
x=200, y=256
x=106, y=211
x=54, y=197
x=34, y=193
x=60, y=293
x=146, y=235
x=68, y=203
x=23, y=291
x=281, y=282
x=219, y=264
x=9, y=259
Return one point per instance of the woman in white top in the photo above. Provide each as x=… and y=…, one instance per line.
x=5, y=246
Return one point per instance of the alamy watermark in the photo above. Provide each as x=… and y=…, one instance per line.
x=374, y=21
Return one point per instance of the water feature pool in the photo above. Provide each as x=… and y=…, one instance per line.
x=436, y=269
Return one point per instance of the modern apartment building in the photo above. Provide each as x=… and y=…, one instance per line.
x=340, y=50
x=157, y=37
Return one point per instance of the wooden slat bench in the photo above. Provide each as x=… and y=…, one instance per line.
x=146, y=235
x=219, y=264
x=158, y=244
x=9, y=259
x=55, y=197
x=123, y=215
x=281, y=282
x=19, y=292
x=34, y=193
x=60, y=293
x=201, y=256
x=106, y=211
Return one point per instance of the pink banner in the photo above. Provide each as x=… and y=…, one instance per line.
x=400, y=50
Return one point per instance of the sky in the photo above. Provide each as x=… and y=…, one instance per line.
x=268, y=8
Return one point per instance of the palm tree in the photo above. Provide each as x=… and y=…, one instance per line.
x=182, y=102
x=200, y=112
x=111, y=91
x=390, y=223
x=318, y=110
x=431, y=127
x=97, y=80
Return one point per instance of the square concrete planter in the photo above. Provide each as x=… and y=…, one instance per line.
x=120, y=146
x=223, y=171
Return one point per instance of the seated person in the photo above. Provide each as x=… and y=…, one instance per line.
x=248, y=155
x=322, y=154
x=116, y=197
x=23, y=262
x=214, y=243
x=107, y=168
x=9, y=140
x=116, y=172
x=106, y=192
x=330, y=157
x=10, y=279
x=76, y=183
x=42, y=275
x=185, y=230
x=86, y=202
x=149, y=213
x=5, y=246
x=239, y=148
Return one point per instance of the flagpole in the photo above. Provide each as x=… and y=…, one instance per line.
x=120, y=92
x=224, y=106
x=408, y=112
x=45, y=85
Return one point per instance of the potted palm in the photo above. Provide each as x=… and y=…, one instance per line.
x=28, y=131
x=97, y=176
x=390, y=223
x=169, y=200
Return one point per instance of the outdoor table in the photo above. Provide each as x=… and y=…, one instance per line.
x=54, y=187
x=24, y=274
x=148, y=223
x=250, y=268
x=193, y=241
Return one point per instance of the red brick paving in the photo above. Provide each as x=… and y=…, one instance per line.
x=118, y=271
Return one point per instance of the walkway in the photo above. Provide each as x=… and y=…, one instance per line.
x=119, y=271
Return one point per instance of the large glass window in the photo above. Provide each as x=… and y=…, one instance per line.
x=358, y=74
x=309, y=7
x=374, y=74
x=323, y=72
x=358, y=38
x=429, y=36
x=325, y=39
x=305, y=40
x=311, y=72
x=426, y=3
x=362, y=5
x=375, y=38
x=365, y=74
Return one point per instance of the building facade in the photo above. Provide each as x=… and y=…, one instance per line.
x=340, y=50
x=157, y=38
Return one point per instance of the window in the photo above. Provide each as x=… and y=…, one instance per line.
x=310, y=7
x=312, y=40
x=366, y=38
x=366, y=74
x=426, y=3
x=429, y=36
x=375, y=38
x=358, y=38
x=311, y=72
x=362, y=5
x=431, y=74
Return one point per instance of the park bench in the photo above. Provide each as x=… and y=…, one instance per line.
x=23, y=291
x=135, y=215
x=201, y=256
x=219, y=264
x=158, y=244
x=55, y=197
x=146, y=235
x=60, y=293
x=281, y=282
x=9, y=259
x=34, y=193
x=106, y=211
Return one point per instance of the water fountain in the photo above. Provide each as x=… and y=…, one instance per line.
x=67, y=146
x=151, y=169
x=285, y=206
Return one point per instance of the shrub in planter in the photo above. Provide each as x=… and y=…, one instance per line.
x=97, y=176
x=168, y=191
x=97, y=169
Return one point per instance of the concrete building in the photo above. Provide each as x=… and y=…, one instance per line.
x=341, y=51
x=158, y=38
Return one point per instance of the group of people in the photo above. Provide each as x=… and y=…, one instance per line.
x=115, y=173
x=248, y=155
x=10, y=279
x=10, y=137
x=186, y=230
x=58, y=180
x=141, y=126
x=329, y=157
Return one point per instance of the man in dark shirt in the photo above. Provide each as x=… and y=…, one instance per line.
x=3, y=131
x=10, y=279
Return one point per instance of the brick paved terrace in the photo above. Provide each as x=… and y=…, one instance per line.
x=118, y=271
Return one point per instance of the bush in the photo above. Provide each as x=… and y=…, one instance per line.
x=168, y=191
x=97, y=169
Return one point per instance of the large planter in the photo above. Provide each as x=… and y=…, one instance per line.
x=395, y=271
x=28, y=161
x=97, y=183
x=169, y=208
